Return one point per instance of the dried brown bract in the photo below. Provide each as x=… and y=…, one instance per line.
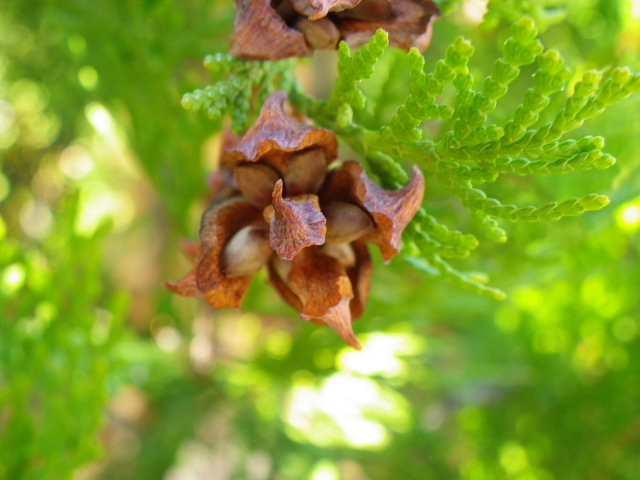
x=282, y=207
x=277, y=29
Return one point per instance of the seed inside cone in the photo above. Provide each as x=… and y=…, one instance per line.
x=256, y=182
x=343, y=252
x=247, y=252
x=321, y=34
x=345, y=222
x=282, y=267
x=306, y=172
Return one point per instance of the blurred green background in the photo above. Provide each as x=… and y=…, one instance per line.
x=105, y=375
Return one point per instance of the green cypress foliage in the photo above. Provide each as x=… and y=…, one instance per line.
x=56, y=351
x=242, y=87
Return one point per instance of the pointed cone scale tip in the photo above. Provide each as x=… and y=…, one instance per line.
x=343, y=329
x=185, y=287
x=348, y=336
x=353, y=341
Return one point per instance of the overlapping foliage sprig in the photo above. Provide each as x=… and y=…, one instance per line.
x=544, y=12
x=241, y=89
x=472, y=150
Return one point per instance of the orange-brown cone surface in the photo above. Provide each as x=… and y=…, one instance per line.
x=282, y=207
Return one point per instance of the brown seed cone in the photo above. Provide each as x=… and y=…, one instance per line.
x=309, y=224
x=268, y=30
